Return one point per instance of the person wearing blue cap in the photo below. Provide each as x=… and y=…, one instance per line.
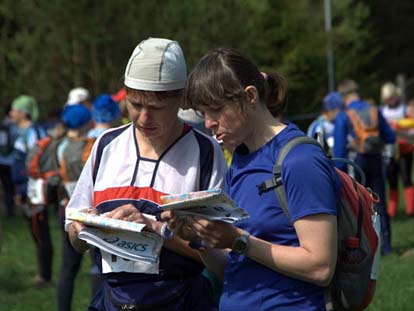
x=332, y=103
x=71, y=155
x=105, y=113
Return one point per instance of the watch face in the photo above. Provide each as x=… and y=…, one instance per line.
x=239, y=246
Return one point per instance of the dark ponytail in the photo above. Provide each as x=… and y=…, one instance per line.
x=275, y=93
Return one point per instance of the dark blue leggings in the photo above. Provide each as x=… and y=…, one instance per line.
x=8, y=189
x=71, y=263
x=401, y=167
x=39, y=227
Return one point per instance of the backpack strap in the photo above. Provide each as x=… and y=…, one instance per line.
x=89, y=141
x=374, y=118
x=63, y=170
x=276, y=182
x=321, y=139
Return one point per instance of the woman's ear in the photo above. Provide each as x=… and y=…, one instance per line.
x=252, y=95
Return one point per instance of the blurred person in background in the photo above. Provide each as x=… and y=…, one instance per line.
x=79, y=95
x=368, y=142
x=8, y=134
x=332, y=103
x=25, y=114
x=120, y=98
x=72, y=153
x=105, y=114
x=399, y=156
x=43, y=188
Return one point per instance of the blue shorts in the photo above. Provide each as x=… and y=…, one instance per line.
x=197, y=294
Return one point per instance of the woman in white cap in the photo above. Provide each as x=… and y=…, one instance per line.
x=130, y=167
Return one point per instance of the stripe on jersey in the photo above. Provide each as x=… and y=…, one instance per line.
x=129, y=192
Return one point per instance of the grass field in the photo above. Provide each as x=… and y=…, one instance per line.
x=395, y=287
x=18, y=267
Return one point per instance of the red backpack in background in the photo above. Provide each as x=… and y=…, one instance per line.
x=358, y=223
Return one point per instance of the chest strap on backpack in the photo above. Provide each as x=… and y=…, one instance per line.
x=276, y=180
x=270, y=184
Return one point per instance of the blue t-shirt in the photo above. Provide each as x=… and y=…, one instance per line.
x=311, y=186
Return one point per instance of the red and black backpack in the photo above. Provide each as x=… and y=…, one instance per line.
x=353, y=283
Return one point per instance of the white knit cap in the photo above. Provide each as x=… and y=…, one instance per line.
x=156, y=65
x=77, y=96
x=389, y=90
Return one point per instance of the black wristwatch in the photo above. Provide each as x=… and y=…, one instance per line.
x=240, y=243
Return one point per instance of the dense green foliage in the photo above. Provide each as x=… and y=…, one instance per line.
x=50, y=46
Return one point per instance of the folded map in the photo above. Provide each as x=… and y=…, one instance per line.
x=212, y=204
x=103, y=222
x=144, y=246
x=140, y=251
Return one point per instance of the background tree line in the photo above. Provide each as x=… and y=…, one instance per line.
x=49, y=46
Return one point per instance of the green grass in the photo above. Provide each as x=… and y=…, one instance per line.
x=395, y=285
x=18, y=267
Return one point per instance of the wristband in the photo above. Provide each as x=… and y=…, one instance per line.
x=165, y=232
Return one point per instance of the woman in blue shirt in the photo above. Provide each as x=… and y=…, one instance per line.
x=266, y=262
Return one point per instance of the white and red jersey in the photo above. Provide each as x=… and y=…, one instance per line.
x=194, y=162
x=116, y=174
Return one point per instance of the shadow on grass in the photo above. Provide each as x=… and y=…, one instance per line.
x=401, y=217
x=402, y=233
x=13, y=281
